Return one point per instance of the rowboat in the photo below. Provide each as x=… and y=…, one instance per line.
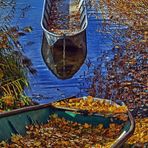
x=64, y=26
x=15, y=121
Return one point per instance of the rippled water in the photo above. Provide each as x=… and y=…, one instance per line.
x=45, y=84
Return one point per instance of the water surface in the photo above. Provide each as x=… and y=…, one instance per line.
x=45, y=84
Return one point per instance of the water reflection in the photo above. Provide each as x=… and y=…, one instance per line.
x=65, y=63
x=45, y=83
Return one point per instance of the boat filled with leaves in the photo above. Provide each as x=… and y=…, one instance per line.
x=48, y=125
x=64, y=45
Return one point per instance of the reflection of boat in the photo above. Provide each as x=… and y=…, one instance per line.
x=64, y=45
x=74, y=58
x=15, y=121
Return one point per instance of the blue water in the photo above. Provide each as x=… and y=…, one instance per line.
x=45, y=85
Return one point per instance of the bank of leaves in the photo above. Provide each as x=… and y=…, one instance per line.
x=125, y=77
x=125, y=74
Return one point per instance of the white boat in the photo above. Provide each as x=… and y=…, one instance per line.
x=64, y=24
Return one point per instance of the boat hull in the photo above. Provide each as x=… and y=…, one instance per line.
x=64, y=54
x=15, y=121
x=52, y=37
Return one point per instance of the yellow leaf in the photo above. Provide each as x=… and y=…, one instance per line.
x=37, y=143
x=86, y=125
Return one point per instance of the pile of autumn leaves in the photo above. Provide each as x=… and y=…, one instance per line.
x=140, y=136
x=60, y=22
x=92, y=106
x=59, y=132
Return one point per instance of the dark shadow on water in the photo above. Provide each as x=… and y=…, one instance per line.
x=75, y=54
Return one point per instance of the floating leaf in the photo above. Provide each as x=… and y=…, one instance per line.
x=27, y=29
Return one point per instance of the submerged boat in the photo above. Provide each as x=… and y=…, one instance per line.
x=15, y=121
x=64, y=26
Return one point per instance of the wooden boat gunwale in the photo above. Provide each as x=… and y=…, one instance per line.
x=29, y=108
